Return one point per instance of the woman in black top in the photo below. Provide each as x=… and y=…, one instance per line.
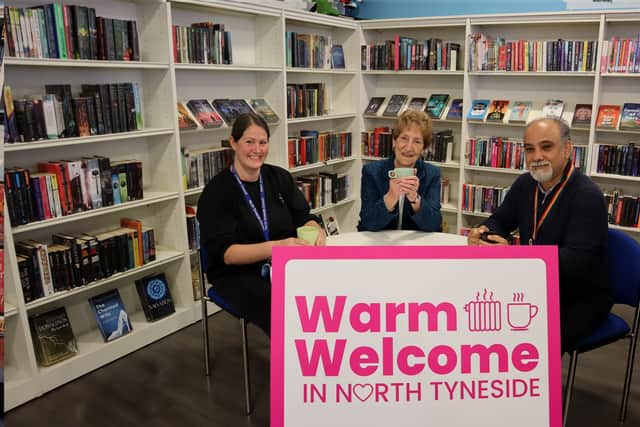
x=233, y=230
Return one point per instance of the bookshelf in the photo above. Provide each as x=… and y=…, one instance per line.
x=259, y=69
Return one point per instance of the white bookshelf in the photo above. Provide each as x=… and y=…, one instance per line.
x=259, y=70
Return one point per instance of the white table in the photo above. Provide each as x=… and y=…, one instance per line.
x=396, y=238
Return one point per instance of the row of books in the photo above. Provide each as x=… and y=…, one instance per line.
x=306, y=100
x=75, y=260
x=69, y=32
x=618, y=159
x=201, y=43
x=621, y=55
x=325, y=188
x=100, y=109
x=312, y=51
x=313, y=146
x=434, y=106
x=68, y=186
x=202, y=114
x=378, y=143
x=497, y=54
x=193, y=227
x=52, y=333
x=623, y=210
x=445, y=191
x=406, y=53
x=200, y=166
x=482, y=198
x=441, y=147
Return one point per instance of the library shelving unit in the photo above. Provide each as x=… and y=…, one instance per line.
x=162, y=207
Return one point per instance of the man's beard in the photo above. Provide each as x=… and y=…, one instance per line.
x=543, y=175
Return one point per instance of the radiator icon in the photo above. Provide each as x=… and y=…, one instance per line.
x=484, y=314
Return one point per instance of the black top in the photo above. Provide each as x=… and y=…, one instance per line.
x=225, y=217
x=577, y=224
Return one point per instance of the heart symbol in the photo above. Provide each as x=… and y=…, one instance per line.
x=363, y=391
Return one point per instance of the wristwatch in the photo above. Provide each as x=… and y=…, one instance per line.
x=413, y=202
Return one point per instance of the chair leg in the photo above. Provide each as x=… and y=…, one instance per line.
x=205, y=323
x=630, y=362
x=568, y=390
x=245, y=361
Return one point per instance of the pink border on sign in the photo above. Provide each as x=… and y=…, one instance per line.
x=282, y=255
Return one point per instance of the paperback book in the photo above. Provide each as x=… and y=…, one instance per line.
x=630, y=117
x=186, y=120
x=608, y=116
x=231, y=109
x=455, y=110
x=497, y=110
x=374, y=105
x=111, y=316
x=417, y=104
x=53, y=337
x=155, y=296
x=331, y=225
x=519, y=111
x=553, y=108
x=582, y=115
x=436, y=105
x=263, y=109
x=478, y=109
x=337, y=56
x=204, y=113
x=395, y=105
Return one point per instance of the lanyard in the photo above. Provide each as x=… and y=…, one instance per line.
x=264, y=221
x=537, y=224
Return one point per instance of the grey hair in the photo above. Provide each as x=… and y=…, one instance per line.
x=563, y=127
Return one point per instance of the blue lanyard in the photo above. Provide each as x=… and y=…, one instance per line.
x=264, y=221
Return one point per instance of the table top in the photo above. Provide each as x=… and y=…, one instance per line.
x=396, y=238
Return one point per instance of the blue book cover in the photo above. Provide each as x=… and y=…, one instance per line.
x=436, y=105
x=155, y=296
x=478, y=110
x=111, y=316
x=337, y=56
x=630, y=117
x=455, y=110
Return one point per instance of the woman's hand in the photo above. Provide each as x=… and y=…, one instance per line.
x=322, y=238
x=409, y=186
x=292, y=241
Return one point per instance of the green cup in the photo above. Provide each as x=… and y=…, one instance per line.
x=308, y=233
x=401, y=173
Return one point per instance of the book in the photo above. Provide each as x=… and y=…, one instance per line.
x=582, y=115
x=395, y=105
x=337, y=56
x=185, y=118
x=608, y=116
x=417, y=104
x=53, y=338
x=455, y=110
x=436, y=105
x=497, y=110
x=155, y=296
x=111, y=316
x=263, y=109
x=331, y=225
x=230, y=109
x=553, y=108
x=630, y=117
x=374, y=105
x=204, y=113
x=478, y=109
x=519, y=111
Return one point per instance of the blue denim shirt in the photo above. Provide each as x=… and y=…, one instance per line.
x=374, y=215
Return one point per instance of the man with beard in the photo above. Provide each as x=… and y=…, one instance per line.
x=554, y=204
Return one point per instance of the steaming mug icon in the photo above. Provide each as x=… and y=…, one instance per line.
x=520, y=315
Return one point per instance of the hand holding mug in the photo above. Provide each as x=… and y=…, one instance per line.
x=409, y=186
x=308, y=233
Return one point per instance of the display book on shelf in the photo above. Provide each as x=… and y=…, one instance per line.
x=107, y=81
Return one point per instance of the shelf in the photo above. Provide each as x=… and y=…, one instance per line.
x=93, y=352
x=150, y=198
x=452, y=165
x=19, y=387
x=85, y=63
x=482, y=214
x=333, y=205
x=372, y=158
x=534, y=73
x=321, y=164
x=616, y=177
x=620, y=131
x=621, y=75
x=628, y=229
x=449, y=207
x=163, y=257
x=193, y=191
x=318, y=20
x=330, y=116
x=412, y=73
x=226, y=7
x=320, y=70
x=228, y=67
x=9, y=310
x=458, y=122
x=205, y=130
x=495, y=170
x=62, y=142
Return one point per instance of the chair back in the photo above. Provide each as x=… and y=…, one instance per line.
x=624, y=268
x=211, y=293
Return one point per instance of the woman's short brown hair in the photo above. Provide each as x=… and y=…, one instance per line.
x=418, y=118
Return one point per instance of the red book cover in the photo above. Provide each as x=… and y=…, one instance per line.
x=608, y=116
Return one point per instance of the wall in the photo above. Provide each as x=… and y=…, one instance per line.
x=375, y=9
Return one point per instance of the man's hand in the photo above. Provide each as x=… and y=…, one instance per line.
x=473, y=238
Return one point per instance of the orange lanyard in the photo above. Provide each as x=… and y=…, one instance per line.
x=537, y=224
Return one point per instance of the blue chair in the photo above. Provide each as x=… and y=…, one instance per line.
x=624, y=282
x=210, y=295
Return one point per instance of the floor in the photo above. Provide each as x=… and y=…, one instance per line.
x=164, y=385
